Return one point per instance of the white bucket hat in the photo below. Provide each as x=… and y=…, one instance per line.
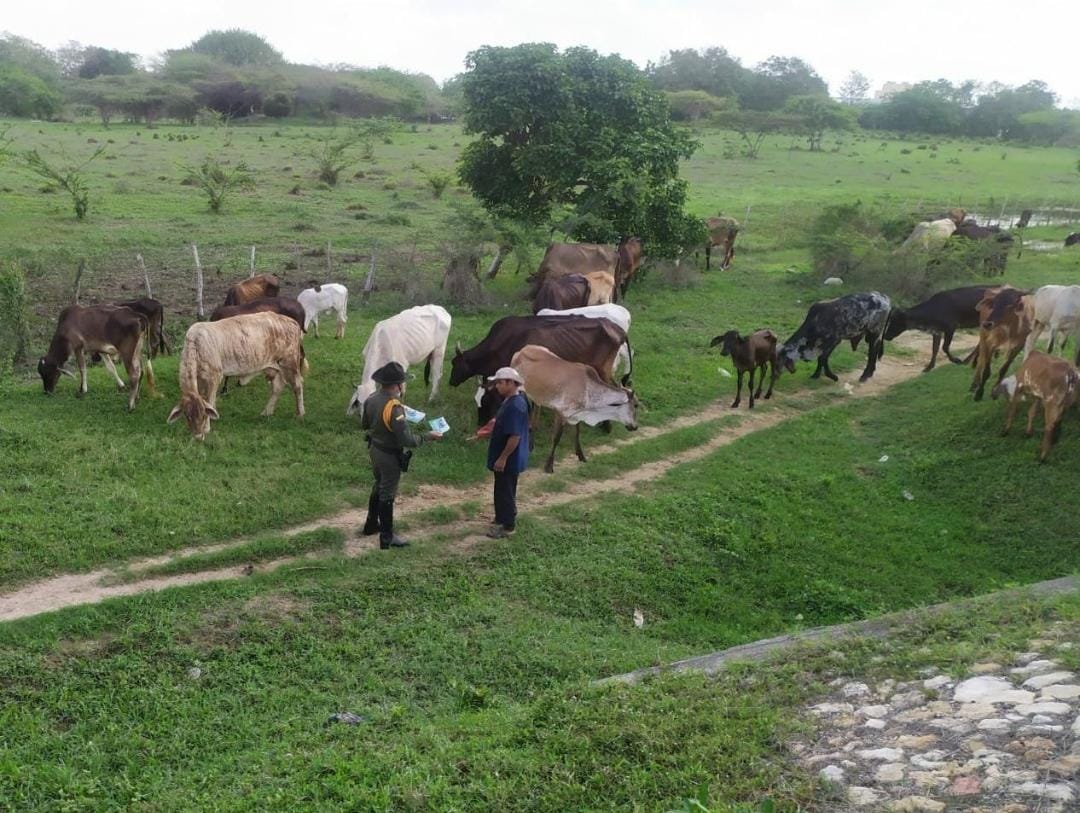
x=507, y=374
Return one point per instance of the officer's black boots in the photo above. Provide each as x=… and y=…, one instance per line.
x=371, y=524
x=387, y=538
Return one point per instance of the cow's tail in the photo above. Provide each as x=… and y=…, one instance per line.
x=625, y=381
x=427, y=371
x=305, y=368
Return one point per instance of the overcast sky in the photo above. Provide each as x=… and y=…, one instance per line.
x=1004, y=40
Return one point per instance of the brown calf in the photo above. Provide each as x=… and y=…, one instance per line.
x=251, y=288
x=1051, y=380
x=105, y=329
x=751, y=354
x=1005, y=319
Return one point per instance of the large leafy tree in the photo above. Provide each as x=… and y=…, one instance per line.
x=818, y=114
x=237, y=47
x=578, y=139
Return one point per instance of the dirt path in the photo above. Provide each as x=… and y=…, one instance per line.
x=88, y=588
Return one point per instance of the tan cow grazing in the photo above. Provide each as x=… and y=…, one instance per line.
x=256, y=287
x=1051, y=380
x=561, y=259
x=1005, y=319
x=241, y=346
x=722, y=233
x=575, y=392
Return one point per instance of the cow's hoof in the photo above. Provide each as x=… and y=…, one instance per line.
x=79, y=393
x=549, y=469
x=833, y=378
x=735, y=405
x=864, y=378
x=978, y=395
x=751, y=405
x=121, y=387
x=928, y=368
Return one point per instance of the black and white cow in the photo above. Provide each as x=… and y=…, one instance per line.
x=854, y=317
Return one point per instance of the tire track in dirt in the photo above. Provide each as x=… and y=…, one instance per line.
x=71, y=590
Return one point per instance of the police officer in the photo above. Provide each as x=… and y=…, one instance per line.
x=388, y=439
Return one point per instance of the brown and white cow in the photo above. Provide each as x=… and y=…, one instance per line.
x=241, y=346
x=722, y=233
x=601, y=288
x=575, y=393
x=1042, y=377
x=1005, y=319
x=256, y=287
x=108, y=330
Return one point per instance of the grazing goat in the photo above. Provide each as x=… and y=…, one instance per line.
x=1045, y=378
x=751, y=354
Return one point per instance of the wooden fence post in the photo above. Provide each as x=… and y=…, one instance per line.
x=198, y=283
x=369, y=282
x=252, y=263
x=329, y=267
x=145, y=276
x=78, y=281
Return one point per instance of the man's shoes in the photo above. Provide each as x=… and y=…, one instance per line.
x=394, y=541
x=499, y=532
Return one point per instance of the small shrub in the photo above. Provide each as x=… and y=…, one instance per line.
x=217, y=180
x=389, y=186
x=395, y=220
x=437, y=182
x=905, y=151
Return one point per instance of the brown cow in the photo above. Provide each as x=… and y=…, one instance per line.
x=285, y=305
x=561, y=259
x=154, y=312
x=751, y=354
x=1005, y=319
x=560, y=293
x=256, y=287
x=722, y=233
x=1045, y=378
x=105, y=329
x=244, y=346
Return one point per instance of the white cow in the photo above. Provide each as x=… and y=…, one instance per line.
x=612, y=312
x=930, y=234
x=414, y=335
x=575, y=392
x=329, y=297
x=1056, y=307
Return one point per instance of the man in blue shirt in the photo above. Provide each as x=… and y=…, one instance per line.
x=508, y=450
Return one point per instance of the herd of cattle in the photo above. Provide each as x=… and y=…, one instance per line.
x=570, y=349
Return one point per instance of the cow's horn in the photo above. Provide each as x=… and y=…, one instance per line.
x=457, y=347
x=67, y=372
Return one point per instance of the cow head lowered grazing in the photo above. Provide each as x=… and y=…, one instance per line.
x=853, y=317
x=108, y=330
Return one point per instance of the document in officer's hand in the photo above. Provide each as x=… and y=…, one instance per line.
x=414, y=415
x=439, y=425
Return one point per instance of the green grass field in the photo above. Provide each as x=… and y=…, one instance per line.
x=471, y=671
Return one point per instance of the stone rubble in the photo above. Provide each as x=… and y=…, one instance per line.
x=1004, y=738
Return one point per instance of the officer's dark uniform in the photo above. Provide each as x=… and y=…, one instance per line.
x=388, y=436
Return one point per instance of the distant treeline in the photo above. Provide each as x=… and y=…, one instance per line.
x=237, y=74
x=712, y=84
x=224, y=73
